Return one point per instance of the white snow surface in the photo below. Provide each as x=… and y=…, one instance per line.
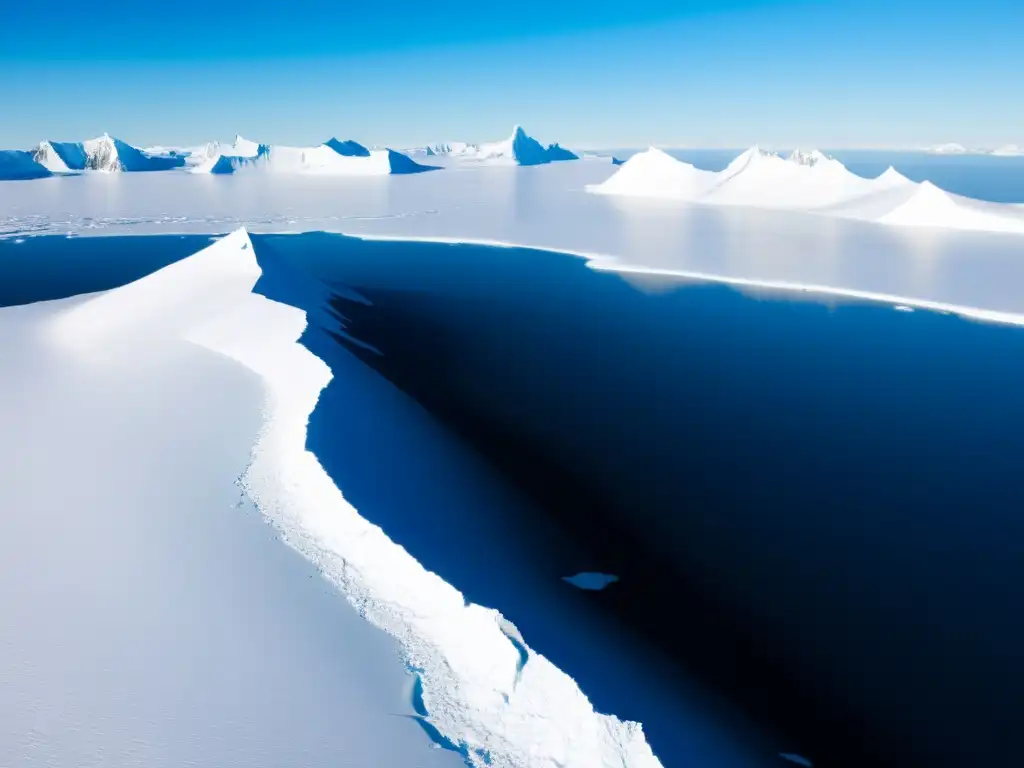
x=151, y=618
x=975, y=273
x=474, y=691
x=324, y=160
x=241, y=147
x=47, y=156
x=808, y=181
x=320, y=160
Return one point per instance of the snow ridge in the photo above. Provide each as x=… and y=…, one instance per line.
x=807, y=181
x=483, y=689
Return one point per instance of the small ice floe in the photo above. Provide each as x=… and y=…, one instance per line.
x=903, y=308
x=590, y=580
x=795, y=758
x=19, y=241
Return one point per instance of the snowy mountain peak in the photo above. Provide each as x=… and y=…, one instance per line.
x=892, y=177
x=809, y=158
x=747, y=159
x=102, y=154
x=242, y=147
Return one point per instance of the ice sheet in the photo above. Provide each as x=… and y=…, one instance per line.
x=150, y=616
x=546, y=207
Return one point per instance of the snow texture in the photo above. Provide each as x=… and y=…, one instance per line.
x=477, y=692
x=150, y=616
x=808, y=181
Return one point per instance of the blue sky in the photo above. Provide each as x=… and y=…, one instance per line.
x=588, y=74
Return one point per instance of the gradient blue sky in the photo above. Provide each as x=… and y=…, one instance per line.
x=603, y=73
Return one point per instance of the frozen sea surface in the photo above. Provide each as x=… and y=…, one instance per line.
x=545, y=207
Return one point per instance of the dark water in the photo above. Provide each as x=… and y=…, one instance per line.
x=814, y=511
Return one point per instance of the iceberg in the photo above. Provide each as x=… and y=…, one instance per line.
x=518, y=149
x=332, y=158
x=450, y=149
x=808, y=181
x=16, y=165
x=104, y=153
x=61, y=157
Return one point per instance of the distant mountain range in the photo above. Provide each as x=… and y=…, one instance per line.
x=517, y=149
x=107, y=154
x=807, y=181
x=1007, y=150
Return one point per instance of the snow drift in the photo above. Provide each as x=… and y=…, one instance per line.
x=16, y=165
x=518, y=149
x=479, y=693
x=807, y=181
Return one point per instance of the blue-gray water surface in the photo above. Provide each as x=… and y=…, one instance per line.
x=812, y=508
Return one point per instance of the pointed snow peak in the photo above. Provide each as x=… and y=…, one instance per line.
x=893, y=176
x=655, y=152
x=747, y=159
x=518, y=132
x=755, y=153
x=102, y=154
